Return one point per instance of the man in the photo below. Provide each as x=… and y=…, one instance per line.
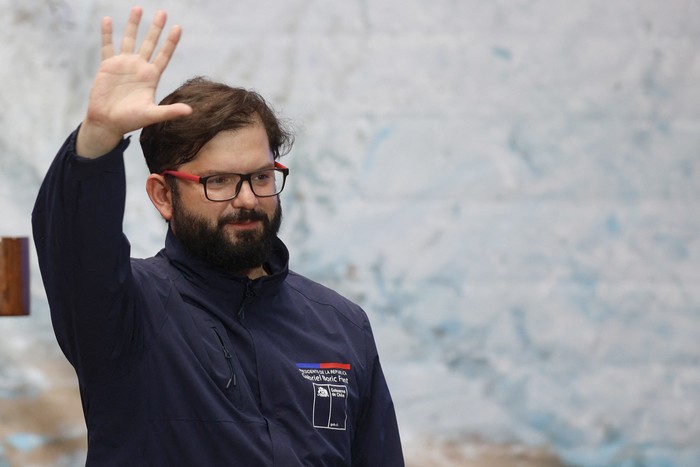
x=211, y=353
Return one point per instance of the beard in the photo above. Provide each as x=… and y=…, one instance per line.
x=248, y=250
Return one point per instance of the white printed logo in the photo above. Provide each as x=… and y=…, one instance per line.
x=330, y=385
x=330, y=406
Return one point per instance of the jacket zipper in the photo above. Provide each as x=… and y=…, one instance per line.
x=227, y=355
x=249, y=295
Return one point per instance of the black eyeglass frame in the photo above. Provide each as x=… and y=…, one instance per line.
x=243, y=177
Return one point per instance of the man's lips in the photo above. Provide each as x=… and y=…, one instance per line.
x=250, y=224
x=244, y=221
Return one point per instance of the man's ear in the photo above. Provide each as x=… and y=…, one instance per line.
x=161, y=195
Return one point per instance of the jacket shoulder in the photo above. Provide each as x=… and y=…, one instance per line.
x=320, y=294
x=151, y=271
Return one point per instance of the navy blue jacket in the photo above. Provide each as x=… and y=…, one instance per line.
x=181, y=364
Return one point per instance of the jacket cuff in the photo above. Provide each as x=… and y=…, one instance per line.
x=87, y=167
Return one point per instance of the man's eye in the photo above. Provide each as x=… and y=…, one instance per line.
x=263, y=177
x=221, y=180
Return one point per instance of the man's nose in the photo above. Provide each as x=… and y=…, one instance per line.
x=245, y=199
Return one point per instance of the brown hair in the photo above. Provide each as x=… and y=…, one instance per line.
x=216, y=107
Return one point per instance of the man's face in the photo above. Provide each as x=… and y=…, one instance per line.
x=235, y=235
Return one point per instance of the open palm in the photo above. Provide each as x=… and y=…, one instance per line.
x=122, y=98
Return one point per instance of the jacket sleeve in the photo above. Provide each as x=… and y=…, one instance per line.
x=84, y=259
x=377, y=440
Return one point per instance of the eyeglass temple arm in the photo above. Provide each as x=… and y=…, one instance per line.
x=197, y=178
x=183, y=175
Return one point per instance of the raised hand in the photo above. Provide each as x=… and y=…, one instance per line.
x=122, y=98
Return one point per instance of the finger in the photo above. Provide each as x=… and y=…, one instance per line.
x=166, y=51
x=107, y=45
x=161, y=113
x=151, y=40
x=132, y=27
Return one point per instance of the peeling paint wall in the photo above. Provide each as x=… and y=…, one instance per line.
x=510, y=189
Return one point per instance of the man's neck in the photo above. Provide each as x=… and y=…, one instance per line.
x=255, y=273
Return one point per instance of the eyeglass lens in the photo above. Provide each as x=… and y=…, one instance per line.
x=223, y=187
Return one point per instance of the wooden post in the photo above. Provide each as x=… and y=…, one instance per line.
x=14, y=276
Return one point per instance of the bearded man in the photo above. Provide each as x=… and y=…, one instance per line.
x=212, y=352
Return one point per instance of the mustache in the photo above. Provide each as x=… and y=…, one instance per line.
x=243, y=216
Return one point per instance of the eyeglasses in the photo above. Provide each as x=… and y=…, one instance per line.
x=226, y=186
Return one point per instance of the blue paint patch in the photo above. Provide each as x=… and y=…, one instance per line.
x=524, y=151
x=688, y=169
x=664, y=126
x=612, y=224
x=449, y=328
x=674, y=248
x=584, y=284
x=25, y=442
x=654, y=88
x=587, y=279
x=546, y=422
x=520, y=326
x=502, y=53
x=380, y=136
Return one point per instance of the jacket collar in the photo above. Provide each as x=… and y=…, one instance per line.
x=213, y=279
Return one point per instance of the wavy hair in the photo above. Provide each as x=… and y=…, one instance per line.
x=216, y=107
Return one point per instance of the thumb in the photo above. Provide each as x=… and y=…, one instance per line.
x=161, y=113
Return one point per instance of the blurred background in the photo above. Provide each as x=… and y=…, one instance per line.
x=510, y=189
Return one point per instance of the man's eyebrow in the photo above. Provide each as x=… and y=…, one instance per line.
x=208, y=173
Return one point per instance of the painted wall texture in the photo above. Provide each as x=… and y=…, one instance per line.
x=511, y=189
